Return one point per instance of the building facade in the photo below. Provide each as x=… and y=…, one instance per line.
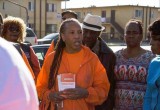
x=43, y=16
x=114, y=18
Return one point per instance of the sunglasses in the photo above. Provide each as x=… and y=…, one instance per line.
x=13, y=29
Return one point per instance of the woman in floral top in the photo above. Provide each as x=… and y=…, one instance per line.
x=131, y=69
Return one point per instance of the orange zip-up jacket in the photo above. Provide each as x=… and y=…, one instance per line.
x=91, y=75
x=50, y=49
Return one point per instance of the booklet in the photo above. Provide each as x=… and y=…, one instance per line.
x=66, y=81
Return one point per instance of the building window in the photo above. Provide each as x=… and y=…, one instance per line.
x=138, y=13
x=103, y=14
x=31, y=6
x=51, y=28
x=51, y=7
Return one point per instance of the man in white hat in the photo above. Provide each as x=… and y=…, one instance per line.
x=92, y=28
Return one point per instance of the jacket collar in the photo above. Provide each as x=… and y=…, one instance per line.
x=96, y=47
x=101, y=46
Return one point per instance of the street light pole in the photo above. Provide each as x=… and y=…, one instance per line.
x=65, y=4
x=22, y=7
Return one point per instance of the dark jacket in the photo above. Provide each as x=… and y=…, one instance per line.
x=32, y=58
x=26, y=48
x=108, y=59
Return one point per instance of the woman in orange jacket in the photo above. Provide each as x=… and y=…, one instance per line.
x=72, y=60
x=15, y=31
x=18, y=47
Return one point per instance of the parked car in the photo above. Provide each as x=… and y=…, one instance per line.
x=40, y=51
x=48, y=39
x=30, y=36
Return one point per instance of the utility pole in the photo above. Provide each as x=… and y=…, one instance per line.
x=65, y=1
x=22, y=7
x=65, y=4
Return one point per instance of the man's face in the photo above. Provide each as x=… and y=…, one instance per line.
x=67, y=15
x=90, y=37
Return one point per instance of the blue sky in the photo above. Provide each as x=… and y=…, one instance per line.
x=87, y=3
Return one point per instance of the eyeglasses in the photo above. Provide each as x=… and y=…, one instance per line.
x=13, y=29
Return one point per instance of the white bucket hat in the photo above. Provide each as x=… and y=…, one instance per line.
x=93, y=22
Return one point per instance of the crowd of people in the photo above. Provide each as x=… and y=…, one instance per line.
x=80, y=72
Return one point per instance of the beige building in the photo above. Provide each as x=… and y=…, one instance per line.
x=43, y=16
x=114, y=18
